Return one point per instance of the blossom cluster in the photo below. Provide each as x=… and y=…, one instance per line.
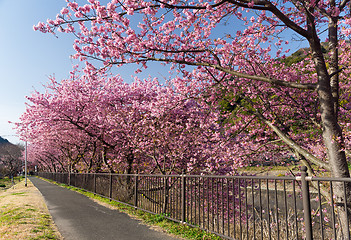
x=248, y=90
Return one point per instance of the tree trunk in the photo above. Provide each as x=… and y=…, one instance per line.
x=334, y=62
x=332, y=134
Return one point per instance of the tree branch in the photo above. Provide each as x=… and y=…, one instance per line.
x=291, y=143
x=307, y=86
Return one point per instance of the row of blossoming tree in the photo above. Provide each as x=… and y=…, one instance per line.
x=233, y=96
x=95, y=123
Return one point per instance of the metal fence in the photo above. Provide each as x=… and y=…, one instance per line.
x=233, y=207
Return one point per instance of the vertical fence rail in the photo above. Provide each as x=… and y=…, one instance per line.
x=183, y=196
x=110, y=188
x=94, y=183
x=306, y=203
x=233, y=207
x=136, y=191
x=345, y=207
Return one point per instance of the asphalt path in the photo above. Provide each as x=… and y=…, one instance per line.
x=78, y=217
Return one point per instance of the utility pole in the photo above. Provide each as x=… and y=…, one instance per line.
x=25, y=166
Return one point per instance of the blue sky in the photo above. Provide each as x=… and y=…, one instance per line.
x=27, y=57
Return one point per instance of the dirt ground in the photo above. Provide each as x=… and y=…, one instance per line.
x=24, y=215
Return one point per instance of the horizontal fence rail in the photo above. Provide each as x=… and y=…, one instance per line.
x=233, y=207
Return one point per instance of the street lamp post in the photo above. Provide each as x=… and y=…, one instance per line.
x=25, y=166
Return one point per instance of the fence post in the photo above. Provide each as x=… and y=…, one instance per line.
x=183, y=200
x=110, y=186
x=69, y=178
x=136, y=191
x=94, y=183
x=166, y=196
x=306, y=203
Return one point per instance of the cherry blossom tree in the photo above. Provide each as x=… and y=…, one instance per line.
x=183, y=33
x=89, y=123
x=304, y=105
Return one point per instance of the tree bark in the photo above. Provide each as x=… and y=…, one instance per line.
x=332, y=133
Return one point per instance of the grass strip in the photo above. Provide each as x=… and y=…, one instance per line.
x=21, y=218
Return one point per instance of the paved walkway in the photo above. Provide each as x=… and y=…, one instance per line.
x=78, y=217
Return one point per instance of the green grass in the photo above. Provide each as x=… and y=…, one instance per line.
x=269, y=168
x=20, y=193
x=43, y=229
x=169, y=226
x=31, y=210
x=6, y=182
x=22, y=216
x=12, y=216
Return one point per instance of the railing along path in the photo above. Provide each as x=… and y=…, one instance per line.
x=233, y=207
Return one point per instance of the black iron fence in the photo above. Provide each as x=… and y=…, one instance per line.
x=233, y=207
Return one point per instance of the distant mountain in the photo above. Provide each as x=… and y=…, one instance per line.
x=3, y=141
